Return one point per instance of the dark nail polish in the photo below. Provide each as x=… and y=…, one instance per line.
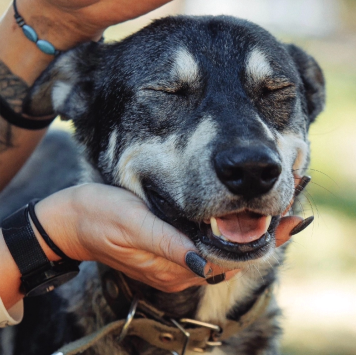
x=302, y=225
x=196, y=263
x=215, y=279
x=304, y=181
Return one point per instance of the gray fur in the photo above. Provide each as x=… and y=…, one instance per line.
x=153, y=112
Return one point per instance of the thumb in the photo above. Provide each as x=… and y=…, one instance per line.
x=161, y=239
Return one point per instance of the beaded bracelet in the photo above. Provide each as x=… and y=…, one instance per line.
x=31, y=34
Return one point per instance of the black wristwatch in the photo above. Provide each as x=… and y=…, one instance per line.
x=39, y=275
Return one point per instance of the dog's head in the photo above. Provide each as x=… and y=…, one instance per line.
x=205, y=118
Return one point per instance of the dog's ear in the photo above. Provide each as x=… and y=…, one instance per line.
x=313, y=80
x=65, y=87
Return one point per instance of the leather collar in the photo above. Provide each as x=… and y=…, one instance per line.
x=154, y=327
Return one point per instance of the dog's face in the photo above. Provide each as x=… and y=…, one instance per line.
x=205, y=118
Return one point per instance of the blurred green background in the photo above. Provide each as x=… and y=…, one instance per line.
x=317, y=289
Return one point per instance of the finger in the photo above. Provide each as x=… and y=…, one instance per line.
x=161, y=239
x=150, y=268
x=230, y=274
x=300, y=183
x=218, y=270
x=286, y=225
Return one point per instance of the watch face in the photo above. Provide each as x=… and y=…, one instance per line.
x=51, y=284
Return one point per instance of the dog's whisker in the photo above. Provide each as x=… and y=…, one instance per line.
x=274, y=257
x=258, y=270
x=312, y=204
x=322, y=173
x=297, y=201
x=324, y=188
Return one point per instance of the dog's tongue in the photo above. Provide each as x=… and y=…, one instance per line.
x=243, y=227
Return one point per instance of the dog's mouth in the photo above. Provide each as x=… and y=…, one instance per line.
x=241, y=235
x=241, y=228
x=237, y=236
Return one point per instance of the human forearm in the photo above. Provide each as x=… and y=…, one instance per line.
x=63, y=23
x=21, y=55
x=20, y=64
x=109, y=225
x=9, y=276
x=16, y=145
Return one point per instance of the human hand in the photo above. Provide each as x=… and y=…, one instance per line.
x=113, y=226
x=291, y=225
x=68, y=22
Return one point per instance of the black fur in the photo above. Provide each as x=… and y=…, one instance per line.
x=130, y=93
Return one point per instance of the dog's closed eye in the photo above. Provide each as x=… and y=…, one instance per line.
x=277, y=90
x=274, y=98
x=272, y=85
x=178, y=89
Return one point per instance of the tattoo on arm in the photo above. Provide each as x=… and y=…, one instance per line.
x=5, y=136
x=13, y=89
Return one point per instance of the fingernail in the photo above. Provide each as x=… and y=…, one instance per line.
x=302, y=225
x=304, y=181
x=196, y=263
x=210, y=271
x=216, y=279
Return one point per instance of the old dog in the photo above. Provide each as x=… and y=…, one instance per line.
x=206, y=119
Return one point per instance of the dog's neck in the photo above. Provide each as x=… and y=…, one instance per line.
x=212, y=303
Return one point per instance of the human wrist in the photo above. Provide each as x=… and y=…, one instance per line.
x=61, y=25
x=18, y=53
x=58, y=217
x=46, y=249
x=58, y=27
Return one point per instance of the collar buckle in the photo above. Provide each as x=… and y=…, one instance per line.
x=129, y=319
x=211, y=343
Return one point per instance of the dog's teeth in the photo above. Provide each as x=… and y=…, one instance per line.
x=268, y=221
x=214, y=227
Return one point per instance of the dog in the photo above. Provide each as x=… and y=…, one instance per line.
x=206, y=119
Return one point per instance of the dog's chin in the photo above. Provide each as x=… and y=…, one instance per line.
x=226, y=240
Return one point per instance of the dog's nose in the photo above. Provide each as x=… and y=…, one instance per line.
x=248, y=171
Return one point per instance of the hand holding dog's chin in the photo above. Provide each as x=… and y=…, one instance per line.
x=113, y=226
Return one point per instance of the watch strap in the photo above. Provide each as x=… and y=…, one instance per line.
x=22, y=242
x=39, y=275
x=46, y=279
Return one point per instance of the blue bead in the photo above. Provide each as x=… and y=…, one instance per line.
x=29, y=33
x=46, y=47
